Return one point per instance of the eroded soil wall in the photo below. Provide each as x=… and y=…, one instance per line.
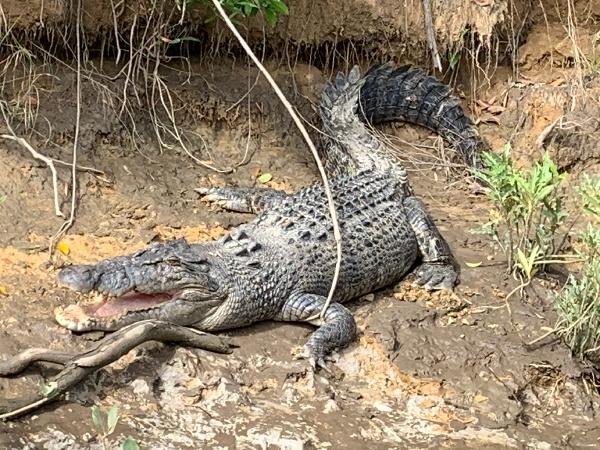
x=383, y=27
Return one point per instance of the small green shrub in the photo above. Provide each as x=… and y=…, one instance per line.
x=105, y=426
x=528, y=210
x=578, y=304
x=589, y=192
x=249, y=8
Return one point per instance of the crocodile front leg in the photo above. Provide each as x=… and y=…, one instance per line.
x=242, y=199
x=439, y=269
x=336, y=330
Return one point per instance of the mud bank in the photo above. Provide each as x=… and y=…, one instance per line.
x=428, y=370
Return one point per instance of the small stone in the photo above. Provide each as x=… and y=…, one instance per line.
x=140, y=387
x=368, y=297
x=330, y=406
x=383, y=407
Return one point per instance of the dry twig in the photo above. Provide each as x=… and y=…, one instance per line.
x=48, y=161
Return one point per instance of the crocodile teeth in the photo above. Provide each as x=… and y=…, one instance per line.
x=105, y=310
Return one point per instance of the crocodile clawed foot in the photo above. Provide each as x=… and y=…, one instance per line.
x=215, y=197
x=314, y=360
x=436, y=276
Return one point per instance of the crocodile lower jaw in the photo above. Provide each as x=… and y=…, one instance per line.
x=107, y=310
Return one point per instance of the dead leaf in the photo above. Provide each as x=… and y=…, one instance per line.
x=63, y=247
x=265, y=178
x=428, y=403
x=479, y=398
x=487, y=118
x=473, y=264
x=496, y=109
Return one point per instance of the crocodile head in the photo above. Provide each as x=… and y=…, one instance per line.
x=170, y=281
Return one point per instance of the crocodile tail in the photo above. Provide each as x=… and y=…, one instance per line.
x=342, y=127
x=339, y=100
x=410, y=95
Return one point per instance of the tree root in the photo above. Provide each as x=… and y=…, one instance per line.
x=430, y=34
x=108, y=350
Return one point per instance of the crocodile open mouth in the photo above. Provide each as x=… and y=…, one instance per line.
x=108, y=308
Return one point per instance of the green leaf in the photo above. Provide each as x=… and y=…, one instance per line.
x=130, y=444
x=524, y=262
x=544, y=192
x=112, y=419
x=453, y=60
x=179, y=40
x=265, y=178
x=98, y=420
x=189, y=38
x=270, y=16
x=47, y=389
x=280, y=7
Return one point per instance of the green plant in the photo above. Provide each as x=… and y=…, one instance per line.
x=589, y=192
x=454, y=55
x=2, y=198
x=130, y=444
x=578, y=304
x=249, y=8
x=528, y=211
x=105, y=425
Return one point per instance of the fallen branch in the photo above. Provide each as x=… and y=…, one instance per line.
x=41, y=157
x=107, y=351
x=331, y=204
x=80, y=168
x=24, y=359
x=48, y=161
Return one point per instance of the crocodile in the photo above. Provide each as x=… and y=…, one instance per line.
x=280, y=265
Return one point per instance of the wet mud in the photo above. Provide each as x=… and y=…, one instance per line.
x=429, y=370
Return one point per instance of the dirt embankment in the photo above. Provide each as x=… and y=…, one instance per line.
x=429, y=370
x=374, y=29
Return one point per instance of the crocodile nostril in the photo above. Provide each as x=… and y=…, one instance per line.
x=80, y=278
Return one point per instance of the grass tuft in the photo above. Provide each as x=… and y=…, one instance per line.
x=578, y=304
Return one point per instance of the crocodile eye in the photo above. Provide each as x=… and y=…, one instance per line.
x=172, y=260
x=196, y=266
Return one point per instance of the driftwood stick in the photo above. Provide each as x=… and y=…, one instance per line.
x=107, y=351
x=24, y=359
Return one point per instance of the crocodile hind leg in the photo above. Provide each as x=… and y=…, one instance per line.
x=242, y=199
x=438, y=269
x=336, y=330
